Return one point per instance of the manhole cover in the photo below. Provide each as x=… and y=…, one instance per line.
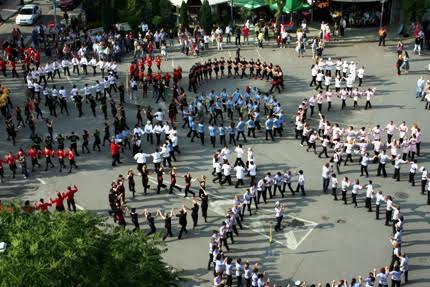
x=401, y=195
x=325, y=217
x=341, y=221
x=295, y=223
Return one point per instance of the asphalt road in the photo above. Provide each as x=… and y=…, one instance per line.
x=332, y=241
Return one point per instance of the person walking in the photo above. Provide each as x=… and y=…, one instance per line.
x=279, y=214
x=182, y=216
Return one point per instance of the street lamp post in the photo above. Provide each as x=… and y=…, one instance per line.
x=55, y=13
x=382, y=13
x=231, y=13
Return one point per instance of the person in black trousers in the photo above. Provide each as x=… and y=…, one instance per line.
x=205, y=198
x=167, y=223
x=194, y=213
x=134, y=218
x=151, y=222
x=182, y=221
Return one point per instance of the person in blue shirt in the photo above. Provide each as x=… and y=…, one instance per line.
x=194, y=131
x=236, y=95
x=232, y=133
x=221, y=130
x=201, y=131
x=212, y=134
x=251, y=126
x=191, y=126
x=277, y=127
x=257, y=117
x=241, y=129
x=230, y=108
x=185, y=116
x=212, y=113
x=239, y=106
x=269, y=126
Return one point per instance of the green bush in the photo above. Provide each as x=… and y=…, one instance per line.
x=78, y=249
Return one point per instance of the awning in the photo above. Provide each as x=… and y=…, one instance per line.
x=249, y=4
x=216, y=2
x=292, y=6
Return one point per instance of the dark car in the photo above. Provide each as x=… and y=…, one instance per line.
x=68, y=5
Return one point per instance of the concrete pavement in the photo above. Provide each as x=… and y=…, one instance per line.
x=343, y=242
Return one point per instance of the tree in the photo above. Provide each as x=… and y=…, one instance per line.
x=78, y=249
x=280, y=5
x=166, y=13
x=120, y=8
x=107, y=16
x=183, y=15
x=139, y=11
x=205, y=17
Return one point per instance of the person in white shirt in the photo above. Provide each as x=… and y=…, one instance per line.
x=156, y=159
x=369, y=94
x=240, y=175
x=140, y=159
x=148, y=130
x=334, y=183
x=301, y=183
x=252, y=169
x=404, y=265
x=239, y=154
x=383, y=159
x=424, y=173
x=360, y=74
x=369, y=195
x=389, y=128
x=93, y=64
x=84, y=62
x=412, y=172
x=345, y=185
x=354, y=191
x=364, y=163
x=379, y=198
x=65, y=65
x=157, y=130
x=226, y=168
x=326, y=172
x=75, y=63
x=279, y=214
x=397, y=163
x=388, y=209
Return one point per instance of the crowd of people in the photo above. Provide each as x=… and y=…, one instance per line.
x=43, y=205
x=99, y=55
x=237, y=67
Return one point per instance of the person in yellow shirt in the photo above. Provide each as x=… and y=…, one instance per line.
x=260, y=39
x=382, y=35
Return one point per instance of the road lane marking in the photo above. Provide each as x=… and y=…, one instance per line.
x=257, y=226
x=41, y=180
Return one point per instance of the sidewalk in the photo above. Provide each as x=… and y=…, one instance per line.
x=9, y=8
x=360, y=35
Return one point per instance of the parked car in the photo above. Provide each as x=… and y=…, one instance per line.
x=28, y=15
x=27, y=1
x=68, y=5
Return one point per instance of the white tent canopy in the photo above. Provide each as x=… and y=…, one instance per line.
x=177, y=3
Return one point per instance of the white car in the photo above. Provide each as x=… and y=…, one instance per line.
x=28, y=15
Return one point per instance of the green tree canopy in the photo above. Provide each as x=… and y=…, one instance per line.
x=205, y=17
x=183, y=15
x=73, y=250
x=166, y=14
